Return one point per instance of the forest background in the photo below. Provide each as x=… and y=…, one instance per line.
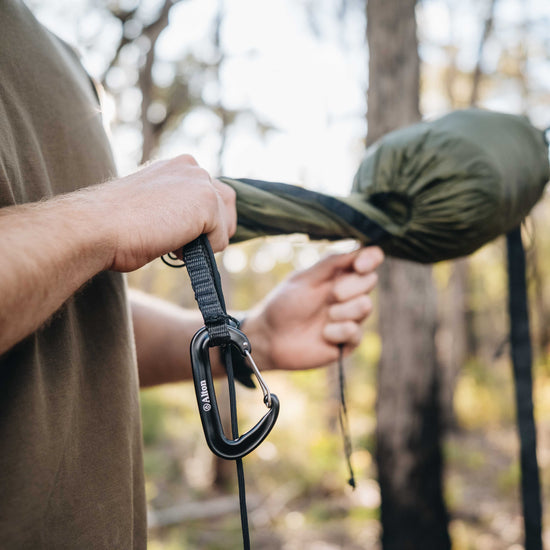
x=278, y=91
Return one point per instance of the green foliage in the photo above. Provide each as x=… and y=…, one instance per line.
x=480, y=405
x=509, y=479
x=472, y=459
x=364, y=513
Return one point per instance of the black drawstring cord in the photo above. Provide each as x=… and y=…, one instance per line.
x=232, y=404
x=343, y=416
x=239, y=461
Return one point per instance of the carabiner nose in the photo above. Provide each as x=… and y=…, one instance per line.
x=219, y=444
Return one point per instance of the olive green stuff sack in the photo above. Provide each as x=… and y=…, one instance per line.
x=429, y=192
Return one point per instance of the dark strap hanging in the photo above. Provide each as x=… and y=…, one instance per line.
x=521, y=359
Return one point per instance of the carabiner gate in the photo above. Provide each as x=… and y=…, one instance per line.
x=219, y=444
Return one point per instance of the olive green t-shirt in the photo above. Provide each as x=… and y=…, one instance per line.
x=71, y=471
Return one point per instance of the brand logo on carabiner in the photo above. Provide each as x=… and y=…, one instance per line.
x=205, y=398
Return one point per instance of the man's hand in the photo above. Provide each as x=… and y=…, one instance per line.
x=162, y=207
x=301, y=324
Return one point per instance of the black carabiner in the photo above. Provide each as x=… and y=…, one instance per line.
x=219, y=444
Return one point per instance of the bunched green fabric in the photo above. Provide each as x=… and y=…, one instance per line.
x=429, y=192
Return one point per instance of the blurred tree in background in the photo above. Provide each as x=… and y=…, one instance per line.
x=408, y=440
x=201, y=76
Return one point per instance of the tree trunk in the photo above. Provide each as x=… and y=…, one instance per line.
x=408, y=429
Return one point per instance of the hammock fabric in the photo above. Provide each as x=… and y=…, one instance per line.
x=434, y=191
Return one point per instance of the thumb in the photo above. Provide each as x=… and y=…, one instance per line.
x=328, y=267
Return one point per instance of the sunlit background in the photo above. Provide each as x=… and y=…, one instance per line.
x=277, y=90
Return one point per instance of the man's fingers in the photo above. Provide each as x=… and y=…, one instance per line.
x=351, y=285
x=228, y=197
x=357, y=309
x=224, y=220
x=368, y=259
x=219, y=237
x=362, y=261
x=348, y=333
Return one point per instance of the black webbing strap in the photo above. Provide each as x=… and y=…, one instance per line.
x=521, y=359
x=206, y=283
x=205, y=280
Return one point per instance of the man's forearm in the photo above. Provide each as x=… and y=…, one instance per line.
x=48, y=249
x=51, y=248
x=163, y=332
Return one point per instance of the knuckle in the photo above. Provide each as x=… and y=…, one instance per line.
x=226, y=191
x=333, y=332
x=365, y=305
x=201, y=174
x=219, y=241
x=188, y=159
x=373, y=279
x=338, y=292
x=379, y=255
x=333, y=312
x=210, y=195
x=351, y=330
x=230, y=193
